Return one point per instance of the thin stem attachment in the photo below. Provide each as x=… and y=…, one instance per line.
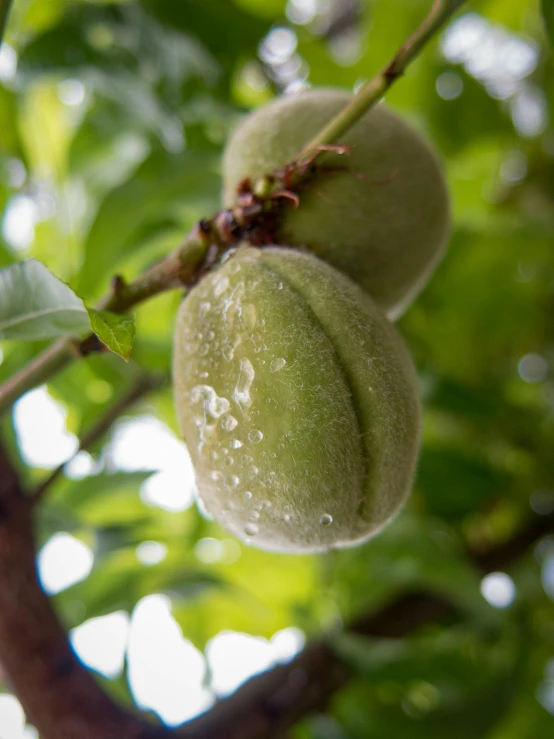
x=375, y=88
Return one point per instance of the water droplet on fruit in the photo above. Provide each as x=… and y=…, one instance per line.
x=235, y=444
x=204, y=309
x=232, y=481
x=250, y=529
x=228, y=423
x=326, y=520
x=277, y=364
x=255, y=436
x=254, y=516
x=220, y=286
x=245, y=379
x=247, y=495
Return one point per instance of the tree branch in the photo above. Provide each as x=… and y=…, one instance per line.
x=58, y=694
x=144, y=385
x=203, y=247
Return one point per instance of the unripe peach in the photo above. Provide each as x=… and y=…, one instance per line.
x=297, y=400
x=383, y=222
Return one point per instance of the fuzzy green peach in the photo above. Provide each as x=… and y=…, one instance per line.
x=297, y=400
x=384, y=221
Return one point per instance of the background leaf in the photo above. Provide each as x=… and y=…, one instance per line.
x=34, y=304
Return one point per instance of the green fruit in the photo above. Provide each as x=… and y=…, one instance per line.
x=384, y=222
x=297, y=400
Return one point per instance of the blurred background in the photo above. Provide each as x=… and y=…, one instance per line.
x=112, y=120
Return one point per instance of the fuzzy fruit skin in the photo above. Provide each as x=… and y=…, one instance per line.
x=387, y=236
x=297, y=400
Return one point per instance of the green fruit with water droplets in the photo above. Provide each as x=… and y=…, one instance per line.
x=383, y=222
x=297, y=400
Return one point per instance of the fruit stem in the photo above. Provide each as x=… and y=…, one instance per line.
x=375, y=88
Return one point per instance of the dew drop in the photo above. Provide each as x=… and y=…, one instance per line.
x=255, y=436
x=286, y=518
x=254, y=471
x=245, y=379
x=326, y=520
x=232, y=481
x=203, y=375
x=210, y=335
x=228, y=423
x=235, y=444
x=254, y=516
x=277, y=364
x=204, y=309
x=215, y=475
x=229, y=349
x=247, y=495
x=229, y=462
x=250, y=529
x=220, y=286
x=219, y=407
x=279, y=286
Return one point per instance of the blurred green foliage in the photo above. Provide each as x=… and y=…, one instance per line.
x=111, y=128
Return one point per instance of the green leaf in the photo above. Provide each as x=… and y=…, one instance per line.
x=117, y=332
x=34, y=304
x=547, y=9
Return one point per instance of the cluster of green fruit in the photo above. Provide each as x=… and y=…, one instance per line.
x=295, y=393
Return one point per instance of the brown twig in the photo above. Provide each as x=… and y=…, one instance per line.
x=58, y=694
